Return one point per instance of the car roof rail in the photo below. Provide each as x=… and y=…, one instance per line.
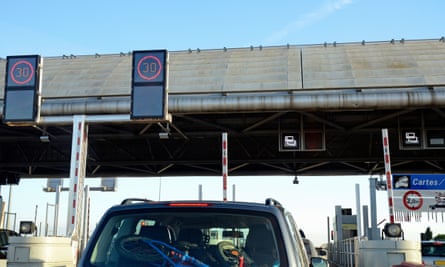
x=128, y=201
x=274, y=202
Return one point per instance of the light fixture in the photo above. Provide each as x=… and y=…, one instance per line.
x=165, y=134
x=44, y=139
x=27, y=227
x=380, y=185
x=393, y=230
x=295, y=181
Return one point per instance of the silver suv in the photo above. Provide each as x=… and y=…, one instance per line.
x=195, y=233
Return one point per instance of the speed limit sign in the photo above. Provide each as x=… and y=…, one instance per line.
x=412, y=200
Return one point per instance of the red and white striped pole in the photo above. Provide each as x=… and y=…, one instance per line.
x=77, y=174
x=388, y=174
x=224, y=165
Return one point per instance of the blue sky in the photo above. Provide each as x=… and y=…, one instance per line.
x=54, y=28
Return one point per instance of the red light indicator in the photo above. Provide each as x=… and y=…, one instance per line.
x=193, y=204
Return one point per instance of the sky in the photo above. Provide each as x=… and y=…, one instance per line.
x=54, y=28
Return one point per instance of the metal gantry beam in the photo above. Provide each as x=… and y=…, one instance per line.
x=304, y=101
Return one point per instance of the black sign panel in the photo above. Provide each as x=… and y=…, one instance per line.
x=21, y=88
x=148, y=92
x=152, y=103
x=149, y=66
x=435, y=138
x=21, y=71
x=289, y=141
x=19, y=105
x=411, y=138
x=313, y=140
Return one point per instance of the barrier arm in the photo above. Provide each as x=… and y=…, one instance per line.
x=77, y=176
x=388, y=173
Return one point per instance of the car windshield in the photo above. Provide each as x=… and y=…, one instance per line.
x=434, y=249
x=189, y=237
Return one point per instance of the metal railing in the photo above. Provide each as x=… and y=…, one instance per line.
x=344, y=253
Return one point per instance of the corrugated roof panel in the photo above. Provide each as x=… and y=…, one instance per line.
x=294, y=68
x=86, y=76
x=352, y=65
x=232, y=70
x=390, y=65
x=197, y=72
x=374, y=65
x=430, y=58
x=266, y=69
x=404, y=64
x=326, y=67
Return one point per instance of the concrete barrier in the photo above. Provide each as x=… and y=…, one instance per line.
x=377, y=253
x=409, y=264
x=40, y=252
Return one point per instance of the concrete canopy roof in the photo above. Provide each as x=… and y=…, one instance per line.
x=265, y=69
x=347, y=92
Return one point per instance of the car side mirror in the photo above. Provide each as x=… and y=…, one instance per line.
x=319, y=262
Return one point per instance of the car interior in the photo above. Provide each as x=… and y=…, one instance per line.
x=215, y=239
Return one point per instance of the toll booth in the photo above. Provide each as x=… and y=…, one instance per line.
x=33, y=251
x=349, y=249
x=345, y=224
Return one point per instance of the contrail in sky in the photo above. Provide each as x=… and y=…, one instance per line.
x=307, y=19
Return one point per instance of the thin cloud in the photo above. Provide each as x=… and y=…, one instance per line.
x=307, y=19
